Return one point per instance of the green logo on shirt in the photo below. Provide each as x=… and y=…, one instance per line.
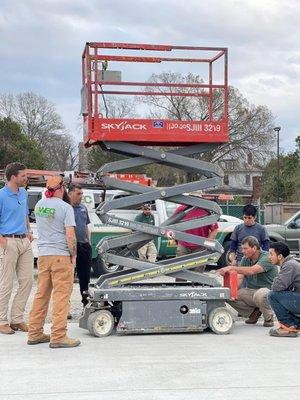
x=45, y=212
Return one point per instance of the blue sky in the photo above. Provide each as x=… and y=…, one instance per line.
x=42, y=42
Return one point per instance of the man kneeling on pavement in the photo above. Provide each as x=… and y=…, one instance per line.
x=285, y=294
x=259, y=274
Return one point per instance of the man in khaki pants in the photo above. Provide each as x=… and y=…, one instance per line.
x=57, y=257
x=16, y=256
x=148, y=252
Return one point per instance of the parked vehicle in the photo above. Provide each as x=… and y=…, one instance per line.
x=288, y=233
x=161, y=210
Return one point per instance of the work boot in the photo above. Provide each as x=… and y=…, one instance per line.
x=6, y=329
x=19, y=327
x=42, y=339
x=284, y=331
x=65, y=343
x=254, y=316
x=268, y=323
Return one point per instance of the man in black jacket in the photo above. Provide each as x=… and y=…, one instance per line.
x=84, y=249
x=284, y=297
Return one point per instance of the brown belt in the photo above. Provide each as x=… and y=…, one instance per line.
x=16, y=236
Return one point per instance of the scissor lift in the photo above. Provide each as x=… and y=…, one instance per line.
x=120, y=299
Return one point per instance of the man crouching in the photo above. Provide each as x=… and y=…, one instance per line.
x=259, y=274
x=285, y=294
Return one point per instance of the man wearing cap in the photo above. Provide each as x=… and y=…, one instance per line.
x=16, y=256
x=57, y=257
x=148, y=251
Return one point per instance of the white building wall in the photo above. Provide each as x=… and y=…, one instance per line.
x=240, y=179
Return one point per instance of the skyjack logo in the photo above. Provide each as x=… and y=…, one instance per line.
x=123, y=126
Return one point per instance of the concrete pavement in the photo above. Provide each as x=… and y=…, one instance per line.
x=247, y=364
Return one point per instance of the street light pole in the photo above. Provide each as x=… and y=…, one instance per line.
x=277, y=129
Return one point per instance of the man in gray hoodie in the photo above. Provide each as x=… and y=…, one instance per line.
x=284, y=297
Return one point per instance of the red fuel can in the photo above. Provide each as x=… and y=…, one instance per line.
x=231, y=281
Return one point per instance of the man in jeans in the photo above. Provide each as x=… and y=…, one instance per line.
x=259, y=274
x=57, y=256
x=16, y=256
x=84, y=250
x=285, y=294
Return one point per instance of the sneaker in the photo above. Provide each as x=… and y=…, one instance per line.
x=6, y=329
x=65, y=343
x=268, y=323
x=254, y=316
x=19, y=327
x=281, y=332
x=42, y=339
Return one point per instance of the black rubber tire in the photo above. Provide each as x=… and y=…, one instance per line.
x=99, y=267
x=223, y=261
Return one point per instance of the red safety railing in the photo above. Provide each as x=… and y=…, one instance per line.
x=98, y=128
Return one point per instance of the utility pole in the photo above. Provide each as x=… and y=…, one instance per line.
x=277, y=129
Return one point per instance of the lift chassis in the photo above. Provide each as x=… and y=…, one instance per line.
x=130, y=300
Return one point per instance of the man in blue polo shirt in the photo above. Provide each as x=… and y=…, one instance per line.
x=16, y=256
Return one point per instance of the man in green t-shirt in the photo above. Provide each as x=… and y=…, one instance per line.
x=148, y=252
x=259, y=274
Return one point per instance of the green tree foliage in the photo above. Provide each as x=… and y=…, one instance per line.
x=40, y=121
x=289, y=177
x=16, y=146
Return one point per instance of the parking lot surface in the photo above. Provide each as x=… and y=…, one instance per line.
x=247, y=364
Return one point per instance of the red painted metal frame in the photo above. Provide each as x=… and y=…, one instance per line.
x=150, y=131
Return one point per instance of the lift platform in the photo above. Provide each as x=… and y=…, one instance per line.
x=129, y=300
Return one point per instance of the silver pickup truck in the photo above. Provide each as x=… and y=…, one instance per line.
x=289, y=233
